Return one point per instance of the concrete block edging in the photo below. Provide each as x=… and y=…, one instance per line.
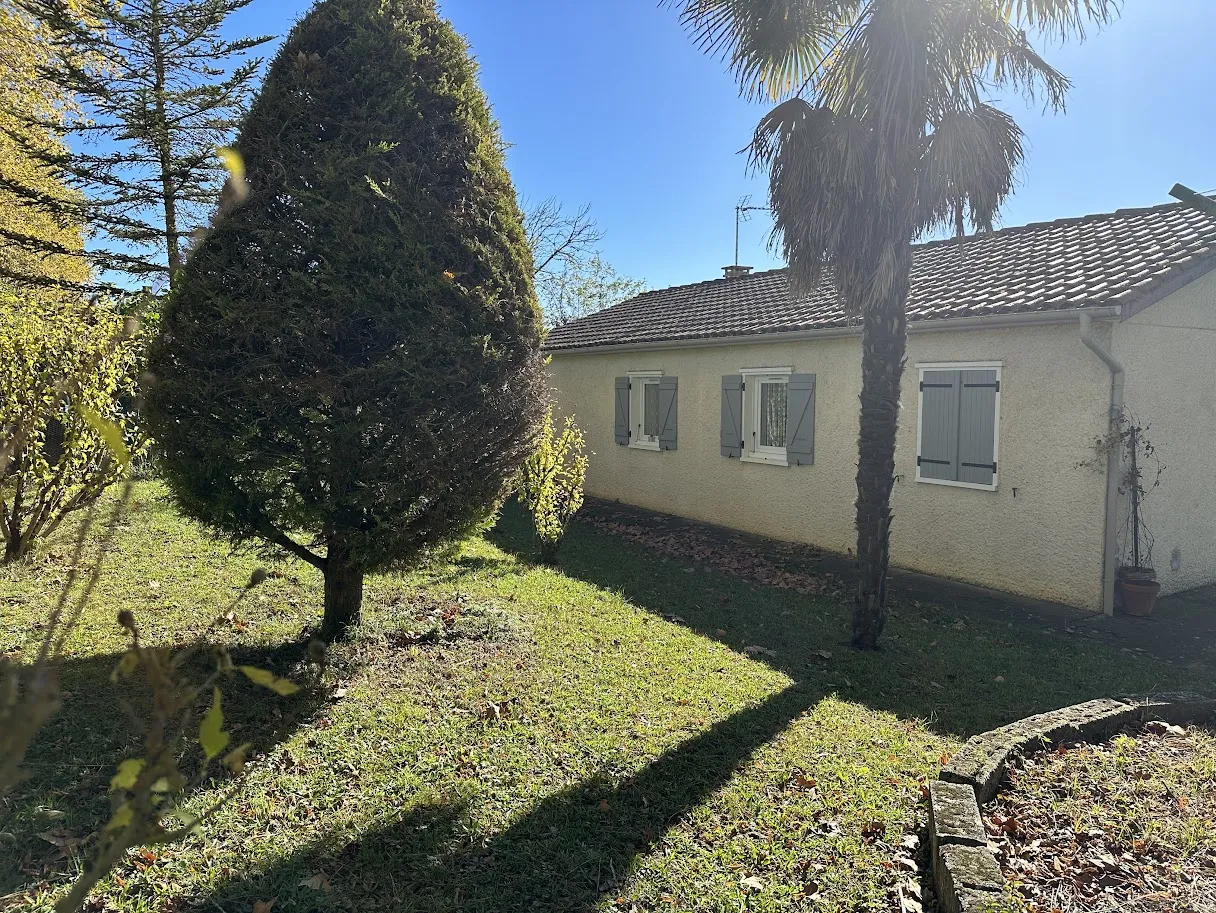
x=966, y=873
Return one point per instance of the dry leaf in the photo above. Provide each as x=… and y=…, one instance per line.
x=264, y=906
x=62, y=838
x=318, y=882
x=755, y=649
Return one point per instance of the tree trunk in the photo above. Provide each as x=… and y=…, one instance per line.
x=16, y=548
x=164, y=148
x=15, y=545
x=10, y=551
x=883, y=343
x=343, y=596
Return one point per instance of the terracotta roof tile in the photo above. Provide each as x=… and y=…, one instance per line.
x=1107, y=259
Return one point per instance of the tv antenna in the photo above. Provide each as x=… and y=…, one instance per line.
x=742, y=209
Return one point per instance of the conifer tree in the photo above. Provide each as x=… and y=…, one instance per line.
x=28, y=103
x=159, y=89
x=349, y=366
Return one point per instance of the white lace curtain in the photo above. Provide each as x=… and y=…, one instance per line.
x=772, y=415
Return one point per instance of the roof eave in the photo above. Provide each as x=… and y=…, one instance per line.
x=1203, y=265
x=933, y=325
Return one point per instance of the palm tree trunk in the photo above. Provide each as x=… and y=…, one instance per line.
x=883, y=344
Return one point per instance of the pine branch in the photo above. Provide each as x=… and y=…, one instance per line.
x=161, y=86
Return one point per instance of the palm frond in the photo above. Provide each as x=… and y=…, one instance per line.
x=820, y=167
x=1064, y=18
x=878, y=70
x=976, y=46
x=774, y=47
x=969, y=167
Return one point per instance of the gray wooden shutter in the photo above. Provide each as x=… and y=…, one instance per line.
x=668, y=413
x=800, y=412
x=732, y=415
x=939, y=396
x=977, y=426
x=621, y=431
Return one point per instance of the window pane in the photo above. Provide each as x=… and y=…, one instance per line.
x=651, y=410
x=772, y=415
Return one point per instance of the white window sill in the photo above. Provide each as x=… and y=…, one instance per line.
x=764, y=458
x=953, y=484
x=644, y=445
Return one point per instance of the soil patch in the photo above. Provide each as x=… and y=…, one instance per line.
x=1128, y=824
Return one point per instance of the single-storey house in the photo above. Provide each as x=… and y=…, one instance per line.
x=733, y=402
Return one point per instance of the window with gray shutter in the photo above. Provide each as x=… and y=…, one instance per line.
x=938, y=456
x=621, y=430
x=977, y=426
x=668, y=413
x=800, y=436
x=732, y=415
x=958, y=416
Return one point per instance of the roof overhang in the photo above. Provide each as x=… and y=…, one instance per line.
x=936, y=325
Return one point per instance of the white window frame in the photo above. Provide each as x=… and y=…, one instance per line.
x=638, y=381
x=752, y=379
x=921, y=368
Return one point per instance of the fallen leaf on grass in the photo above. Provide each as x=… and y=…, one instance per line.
x=823, y=654
x=755, y=649
x=264, y=906
x=62, y=838
x=873, y=830
x=318, y=882
x=751, y=881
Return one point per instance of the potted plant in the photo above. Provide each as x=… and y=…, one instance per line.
x=1136, y=581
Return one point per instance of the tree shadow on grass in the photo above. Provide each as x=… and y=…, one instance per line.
x=564, y=854
x=961, y=674
x=71, y=761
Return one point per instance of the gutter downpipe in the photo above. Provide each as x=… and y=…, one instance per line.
x=1109, y=559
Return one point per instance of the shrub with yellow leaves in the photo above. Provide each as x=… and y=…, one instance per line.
x=47, y=381
x=67, y=429
x=550, y=482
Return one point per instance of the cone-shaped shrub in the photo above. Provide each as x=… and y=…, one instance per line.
x=350, y=369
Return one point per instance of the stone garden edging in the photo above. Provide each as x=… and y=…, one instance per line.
x=966, y=874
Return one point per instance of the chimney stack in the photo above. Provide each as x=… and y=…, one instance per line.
x=736, y=271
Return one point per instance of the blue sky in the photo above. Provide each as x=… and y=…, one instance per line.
x=607, y=102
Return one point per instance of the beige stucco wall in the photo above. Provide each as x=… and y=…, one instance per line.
x=1169, y=353
x=1045, y=542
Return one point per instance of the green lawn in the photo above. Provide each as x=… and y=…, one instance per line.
x=508, y=737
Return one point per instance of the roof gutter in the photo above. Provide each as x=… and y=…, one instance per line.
x=1110, y=556
x=940, y=325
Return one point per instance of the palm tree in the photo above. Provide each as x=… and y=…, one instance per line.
x=883, y=130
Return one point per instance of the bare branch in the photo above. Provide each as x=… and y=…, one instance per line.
x=557, y=239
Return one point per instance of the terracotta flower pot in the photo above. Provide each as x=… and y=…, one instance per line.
x=1139, y=596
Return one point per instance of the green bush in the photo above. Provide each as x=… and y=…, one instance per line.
x=550, y=482
x=349, y=368
x=66, y=371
